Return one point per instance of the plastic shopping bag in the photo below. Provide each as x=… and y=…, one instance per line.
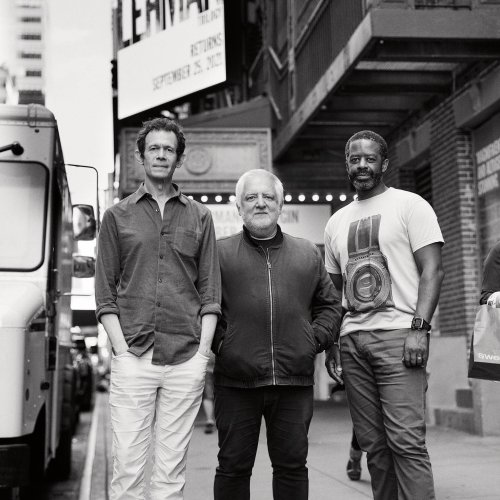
x=484, y=360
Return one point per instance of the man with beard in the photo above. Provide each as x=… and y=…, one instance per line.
x=383, y=251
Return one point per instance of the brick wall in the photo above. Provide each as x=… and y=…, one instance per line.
x=391, y=176
x=454, y=201
x=453, y=187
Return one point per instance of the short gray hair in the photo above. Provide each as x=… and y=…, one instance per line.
x=259, y=172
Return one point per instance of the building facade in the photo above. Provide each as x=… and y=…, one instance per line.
x=424, y=74
x=22, y=25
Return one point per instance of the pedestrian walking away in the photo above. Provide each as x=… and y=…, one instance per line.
x=158, y=298
x=279, y=309
x=383, y=251
x=207, y=402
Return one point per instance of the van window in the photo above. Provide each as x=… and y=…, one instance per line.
x=23, y=205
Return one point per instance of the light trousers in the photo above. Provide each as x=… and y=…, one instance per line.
x=387, y=405
x=143, y=394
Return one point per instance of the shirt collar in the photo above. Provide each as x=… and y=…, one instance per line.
x=142, y=192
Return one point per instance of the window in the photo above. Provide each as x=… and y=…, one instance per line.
x=423, y=182
x=29, y=55
x=30, y=19
x=30, y=36
x=31, y=97
x=23, y=192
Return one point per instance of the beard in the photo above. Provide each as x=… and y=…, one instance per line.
x=367, y=184
x=260, y=227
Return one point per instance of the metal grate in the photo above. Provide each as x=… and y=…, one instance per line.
x=423, y=182
x=450, y=4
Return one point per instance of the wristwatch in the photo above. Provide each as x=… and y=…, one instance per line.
x=418, y=323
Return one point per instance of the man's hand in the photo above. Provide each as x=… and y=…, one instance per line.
x=121, y=348
x=333, y=364
x=205, y=351
x=494, y=299
x=416, y=349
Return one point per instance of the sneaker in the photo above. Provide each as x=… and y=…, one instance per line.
x=209, y=428
x=353, y=468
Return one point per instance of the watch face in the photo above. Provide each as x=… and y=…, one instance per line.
x=367, y=278
x=420, y=324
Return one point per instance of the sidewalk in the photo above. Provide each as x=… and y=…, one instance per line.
x=465, y=467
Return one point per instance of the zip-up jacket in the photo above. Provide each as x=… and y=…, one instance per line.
x=279, y=309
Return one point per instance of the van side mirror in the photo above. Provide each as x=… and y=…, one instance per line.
x=84, y=223
x=83, y=266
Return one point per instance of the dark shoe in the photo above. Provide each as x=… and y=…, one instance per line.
x=354, y=464
x=209, y=428
x=354, y=470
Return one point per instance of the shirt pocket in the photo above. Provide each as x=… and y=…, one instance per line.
x=187, y=241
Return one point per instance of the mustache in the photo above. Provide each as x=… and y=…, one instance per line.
x=358, y=173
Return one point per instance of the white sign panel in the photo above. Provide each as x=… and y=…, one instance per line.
x=304, y=221
x=184, y=52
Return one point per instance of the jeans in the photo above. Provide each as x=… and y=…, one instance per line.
x=387, y=405
x=287, y=411
x=143, y=395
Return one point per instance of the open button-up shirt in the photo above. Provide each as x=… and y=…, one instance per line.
x=159, y=276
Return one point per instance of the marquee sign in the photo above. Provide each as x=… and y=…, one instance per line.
x=168, y=49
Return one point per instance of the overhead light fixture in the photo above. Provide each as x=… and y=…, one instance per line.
x=315, y=197
x=328, y=197
x=204, y=198
x=302, y=198
x=342, y=197
x=232, y=198
x=288, y=197
x=218, y=198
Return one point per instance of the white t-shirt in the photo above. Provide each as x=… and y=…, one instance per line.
x=371, y=243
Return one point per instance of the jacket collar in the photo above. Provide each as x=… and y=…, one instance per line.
x=247, y=237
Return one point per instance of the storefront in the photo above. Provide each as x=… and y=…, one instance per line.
x=487, y=158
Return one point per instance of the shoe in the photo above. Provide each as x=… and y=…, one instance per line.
x=353, y=468
x=209, y=428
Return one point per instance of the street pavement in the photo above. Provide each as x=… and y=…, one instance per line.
x=466, y=467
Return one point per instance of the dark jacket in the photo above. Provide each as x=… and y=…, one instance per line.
x=279, y=309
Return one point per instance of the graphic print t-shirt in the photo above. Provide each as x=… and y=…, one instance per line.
x=371, y=244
